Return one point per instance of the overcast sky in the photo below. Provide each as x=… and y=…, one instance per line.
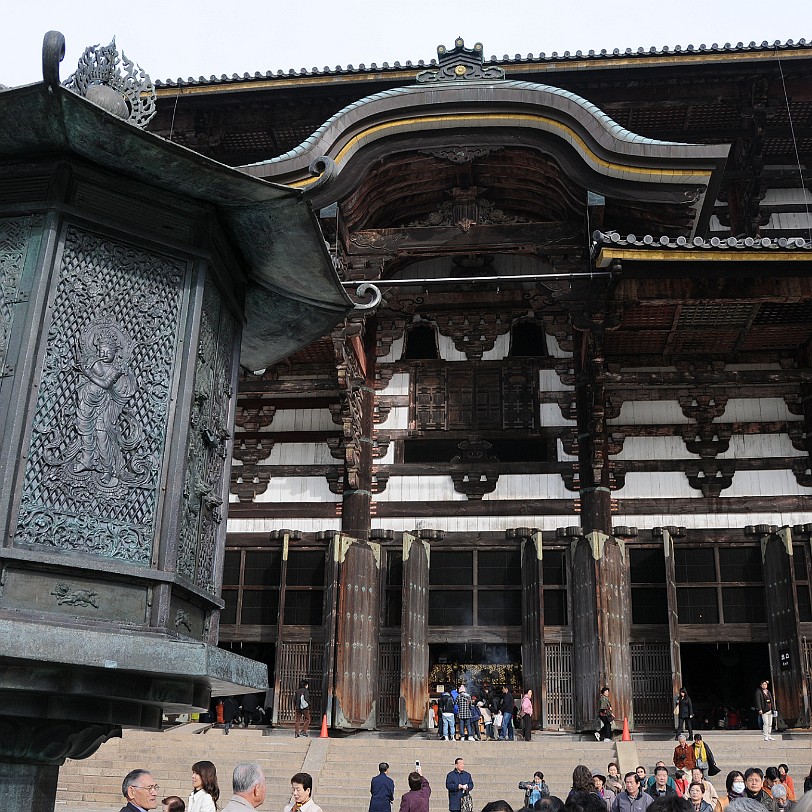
x=172, y=39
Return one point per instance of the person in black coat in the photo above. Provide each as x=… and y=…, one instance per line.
x=382, y=790
x=141, y=791
x=458, y=782
x=685, y=714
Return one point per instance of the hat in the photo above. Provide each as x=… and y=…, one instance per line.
x=599, y=774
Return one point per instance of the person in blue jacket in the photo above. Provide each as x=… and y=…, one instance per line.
x=458, y=783
x=382, y=790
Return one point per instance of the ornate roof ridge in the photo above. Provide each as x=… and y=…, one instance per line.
x=612, y=238
x=542, y=57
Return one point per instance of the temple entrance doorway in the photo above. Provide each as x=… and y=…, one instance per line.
x=721, y=679
x=475, y=664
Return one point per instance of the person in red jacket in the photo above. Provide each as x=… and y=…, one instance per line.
x=417, y=798
x=684, y=758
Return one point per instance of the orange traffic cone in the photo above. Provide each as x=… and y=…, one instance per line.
x=323, y=734
x=626, y=737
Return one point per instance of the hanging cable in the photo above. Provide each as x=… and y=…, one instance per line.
x=795, y=147
x=174, y=110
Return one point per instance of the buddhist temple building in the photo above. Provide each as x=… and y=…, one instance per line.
x=570, y=445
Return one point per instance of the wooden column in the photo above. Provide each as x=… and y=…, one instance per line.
x=414, y=626
x=356, y=669
x=356, y=377
x=782, y=622
x=668, y=535
x=533, y=658
x=586, y=667
x=331, y=573
x=600, y=571
x=280, y=628
x=614, y=621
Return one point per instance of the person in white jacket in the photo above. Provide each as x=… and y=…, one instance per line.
x=205, y=792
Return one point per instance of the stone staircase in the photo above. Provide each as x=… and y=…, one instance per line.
x=342, y=767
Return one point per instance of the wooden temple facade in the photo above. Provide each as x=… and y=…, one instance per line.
x=571, y=445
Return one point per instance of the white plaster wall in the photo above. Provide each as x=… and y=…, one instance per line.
x=530, y=486
x=300, y=454
x=657, y=485
x=792, y=221
x=765, y=483
x=756, y=410
x=653, y=448
x=398, y=385
x=398, y=418
x=419, y=489
x=550, y=381
x=447, y=350
x=298, y=489
x=698, y=521
x=395, y=351
x=554, y=348
x=550, y=415
x=741, y=367
x=474, y=524
x=648, y=413
x=562, y=455
x=760, y=446
x=388, y=458
x=265, y=525
x=501, y=348
x=302, y=420
x=780, y=197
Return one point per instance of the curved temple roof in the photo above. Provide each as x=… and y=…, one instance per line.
x=598, y=152
x=293, y=294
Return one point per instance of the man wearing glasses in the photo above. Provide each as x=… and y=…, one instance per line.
x=140, y=790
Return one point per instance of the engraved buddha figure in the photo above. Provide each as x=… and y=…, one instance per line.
x=107, y=386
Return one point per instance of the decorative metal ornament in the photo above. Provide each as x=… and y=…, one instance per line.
x=99, y=78
x=460, y=63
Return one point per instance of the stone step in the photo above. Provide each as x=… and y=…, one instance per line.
x=343, y=766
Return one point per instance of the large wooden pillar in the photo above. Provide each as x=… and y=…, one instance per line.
x=668, y=534
x=356, y=667
x=584, y=624
x=414, y=627
x=356, y=566
x=601, y=647
x=533, y=660
x=782, y=621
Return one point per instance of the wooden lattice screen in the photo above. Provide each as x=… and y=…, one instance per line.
x=389, y=685
x=300, y=661
x=651, y=684
x=558, y=713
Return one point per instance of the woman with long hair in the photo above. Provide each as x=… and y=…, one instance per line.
x=205, y=790
x=582, y=780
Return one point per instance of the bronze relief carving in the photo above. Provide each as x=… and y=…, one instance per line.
x=101, y=414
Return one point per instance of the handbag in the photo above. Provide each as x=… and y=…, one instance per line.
x=702, y=764
x=466, y=802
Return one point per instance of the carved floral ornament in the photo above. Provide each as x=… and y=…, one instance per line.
x=104, y=77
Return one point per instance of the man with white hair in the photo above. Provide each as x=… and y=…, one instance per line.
x=248, y=784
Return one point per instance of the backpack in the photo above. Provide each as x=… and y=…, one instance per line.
x=448, y=704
